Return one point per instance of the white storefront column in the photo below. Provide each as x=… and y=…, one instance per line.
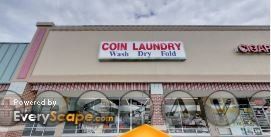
x=157, y=89
x=59, y=129
x=17, y=87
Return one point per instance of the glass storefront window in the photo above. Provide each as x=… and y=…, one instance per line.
x=185, y=116
x=134, y=110
x=39, y=128
x=246, y=123
x=261, y=110
x=253, y=119
x=70, y=128
x=96, y=104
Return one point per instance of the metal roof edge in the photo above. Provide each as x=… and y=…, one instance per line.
x=164, y=27
x=14, y=42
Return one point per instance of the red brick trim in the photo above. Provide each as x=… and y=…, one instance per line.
x=90, y=86
x=216, y=86
x=14, y=134
x=36, y=43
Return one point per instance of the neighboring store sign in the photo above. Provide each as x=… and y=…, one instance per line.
x=141, y=50
x=252, y=48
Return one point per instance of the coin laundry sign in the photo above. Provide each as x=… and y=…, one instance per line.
x=138, y=50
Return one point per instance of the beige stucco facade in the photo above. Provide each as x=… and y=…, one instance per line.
x=71, y=55
x=65, y=59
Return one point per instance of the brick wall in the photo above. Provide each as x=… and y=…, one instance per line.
x=29, y=94
x=14, y=134
x=2, y=134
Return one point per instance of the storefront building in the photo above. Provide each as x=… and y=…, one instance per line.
x=138, y=73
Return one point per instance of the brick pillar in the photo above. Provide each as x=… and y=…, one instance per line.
x=14, y=134
x=157, y=98
x=3, y=134
x=157, y=118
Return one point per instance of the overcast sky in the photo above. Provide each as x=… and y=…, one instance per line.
x=18, y=17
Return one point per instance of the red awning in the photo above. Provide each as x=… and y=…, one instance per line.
x=89, y=86
x=217, y=86
x=146, y=86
